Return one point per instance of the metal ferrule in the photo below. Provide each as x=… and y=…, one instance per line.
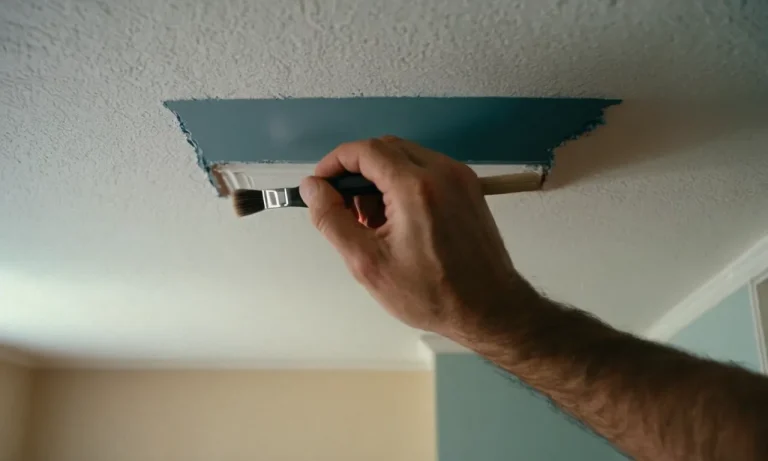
x=276, y=198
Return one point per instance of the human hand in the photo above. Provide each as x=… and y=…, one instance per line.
x=428, y=250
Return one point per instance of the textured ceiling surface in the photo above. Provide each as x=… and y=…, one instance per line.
x=113, y=246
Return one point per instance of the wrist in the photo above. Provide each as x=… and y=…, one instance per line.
x=498, y=318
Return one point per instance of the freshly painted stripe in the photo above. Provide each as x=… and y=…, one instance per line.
x=489, y=130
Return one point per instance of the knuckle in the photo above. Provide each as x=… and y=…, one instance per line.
x=363, y=147
x=373, y=144
x=348, y=146
x=417, y=188
x=424, y=187
x=388, y=138
x=465, y=176
x=464, y=172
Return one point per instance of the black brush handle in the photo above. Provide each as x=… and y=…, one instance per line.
x=352, y=184
x=349, y=186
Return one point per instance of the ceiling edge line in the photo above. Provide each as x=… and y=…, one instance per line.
x=231, y=365
x=740, y=272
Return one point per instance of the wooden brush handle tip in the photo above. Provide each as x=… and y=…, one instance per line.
x=511, y=183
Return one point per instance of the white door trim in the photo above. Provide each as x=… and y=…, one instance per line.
x=747, y=267
x=757, y=318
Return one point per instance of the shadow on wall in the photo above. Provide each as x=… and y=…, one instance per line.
x=637, y=134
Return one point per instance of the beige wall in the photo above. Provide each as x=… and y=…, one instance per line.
x=232, y=415
x=15, y=399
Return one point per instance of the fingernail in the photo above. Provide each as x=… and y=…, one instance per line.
x=307, y=190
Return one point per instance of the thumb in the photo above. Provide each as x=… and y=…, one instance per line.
x=331, y=216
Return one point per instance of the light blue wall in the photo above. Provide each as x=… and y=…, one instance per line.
x=483, y=414
x=725, y=332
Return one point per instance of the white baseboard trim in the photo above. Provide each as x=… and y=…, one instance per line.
x=742, y=271
x=757, y=319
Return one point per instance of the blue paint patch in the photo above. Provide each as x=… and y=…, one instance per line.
x=201, y=161
x=487, y=130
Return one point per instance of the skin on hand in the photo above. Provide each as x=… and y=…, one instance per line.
x=429, y=250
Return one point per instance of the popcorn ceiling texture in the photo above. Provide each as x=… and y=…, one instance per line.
x=228, y=49
x=114, y=247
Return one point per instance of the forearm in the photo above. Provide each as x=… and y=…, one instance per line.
x=653, y=402
x=436, y=259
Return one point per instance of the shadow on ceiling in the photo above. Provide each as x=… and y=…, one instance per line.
x=638, y=133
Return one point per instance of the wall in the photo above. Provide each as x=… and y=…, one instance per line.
x=761, y=292
x=233, y=415
x=485, y=415
x=15, y=399
x=725, y=332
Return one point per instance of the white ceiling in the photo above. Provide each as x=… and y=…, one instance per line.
x=113, y=245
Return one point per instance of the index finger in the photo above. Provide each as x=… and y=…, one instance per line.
x=372, y=158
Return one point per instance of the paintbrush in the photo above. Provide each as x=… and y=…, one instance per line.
x=250, y=201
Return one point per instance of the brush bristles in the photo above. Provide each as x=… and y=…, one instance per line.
x=247, y=202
